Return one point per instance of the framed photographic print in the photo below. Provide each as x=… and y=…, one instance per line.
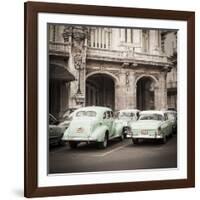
x=109, y=99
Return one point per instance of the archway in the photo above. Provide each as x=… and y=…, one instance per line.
x=146, y=93
x=100, y=90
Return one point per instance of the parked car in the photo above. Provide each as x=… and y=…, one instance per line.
x=172, y=115
x=93, y=124
x=67, y=113
x=125, y=117
x=55, y=131
x=66, y=119
x=151, y=125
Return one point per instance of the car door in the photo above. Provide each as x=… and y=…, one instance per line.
x=110, y=122
x=168, y=124
x=164, y=126
x=107, y=121
x=112, y=132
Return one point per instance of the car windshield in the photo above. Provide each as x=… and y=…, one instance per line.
x=67, y=114
x=151, y=117
x=86, y=114
x=171, y=116
x=126, y=114
x=52, y=120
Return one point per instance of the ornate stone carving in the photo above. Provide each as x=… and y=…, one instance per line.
x=77, y=35
x=67, y=33
x=125, y=65
x=78, y=61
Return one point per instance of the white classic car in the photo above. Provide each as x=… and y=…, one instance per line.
x=151, y=125
x=92, y=124
x=55, y=131
x=125, y=117
x=172, y=115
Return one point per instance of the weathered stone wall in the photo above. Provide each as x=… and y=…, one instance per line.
x=125, y=55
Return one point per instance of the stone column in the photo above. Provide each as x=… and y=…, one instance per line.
x=157, y=98
x=99, y=37
x=131, y=91
x=92, y=38
x=77, y=36
x=129, y=35
x=96, y=39
x=107, y=35
x=153, y=39
x=163, y=90
x=122, y=38
x=137, y=40
x=134, y=100
x=102, y=38
x=120, y=94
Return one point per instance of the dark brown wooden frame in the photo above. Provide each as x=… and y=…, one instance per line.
x=32, y=9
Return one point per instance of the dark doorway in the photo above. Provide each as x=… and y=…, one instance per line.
x=100, y=91
x=145, y=94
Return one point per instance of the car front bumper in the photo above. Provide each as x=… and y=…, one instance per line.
x=145, y=136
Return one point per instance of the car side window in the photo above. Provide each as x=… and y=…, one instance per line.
x=111, y=114
x=166, y=118
x=138, y=115
x=104, y=115
x=108, y=115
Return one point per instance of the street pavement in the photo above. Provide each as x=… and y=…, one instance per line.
x=117, y=156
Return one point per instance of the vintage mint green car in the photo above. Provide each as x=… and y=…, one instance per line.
x=93, y=124
x=125, y=117
x=151, y=125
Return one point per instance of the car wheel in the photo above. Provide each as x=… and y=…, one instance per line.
x=73, y=145
x=122, y=137
x=174, y=131
x=61, y=143
x=104, y=144
x=135, y=141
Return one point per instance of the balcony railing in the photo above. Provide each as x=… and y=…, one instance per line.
x=129, y=56
x=60, y=48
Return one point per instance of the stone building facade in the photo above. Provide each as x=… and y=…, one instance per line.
x=116, y=67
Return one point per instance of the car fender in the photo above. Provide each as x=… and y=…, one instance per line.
x=118, y=128
x=65, y=135
x=99, y=133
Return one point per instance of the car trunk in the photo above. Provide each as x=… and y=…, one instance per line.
x=81, y=128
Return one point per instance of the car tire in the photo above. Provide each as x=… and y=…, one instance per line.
x=122, y=137
x=73, y=145
x=61, y=143
x=174, y=131
x=104, y=144
x=135, y=141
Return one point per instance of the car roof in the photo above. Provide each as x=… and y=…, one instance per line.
x=129, y=110
x=94, y=108
x=152, y=112
x=170, y=111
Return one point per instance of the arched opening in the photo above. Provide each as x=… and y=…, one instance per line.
x=100, y=91
x=146, y=93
